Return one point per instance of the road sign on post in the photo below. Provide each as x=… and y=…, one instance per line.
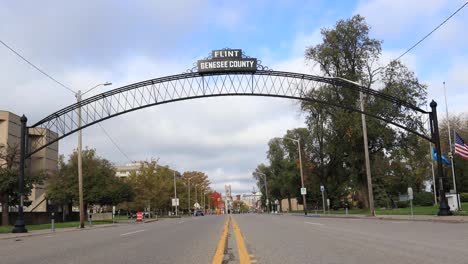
x=303, y=191
x=410, y=197
x=322, y=188
x=175, y=201
x=410, y=193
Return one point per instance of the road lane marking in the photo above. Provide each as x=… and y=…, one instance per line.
x=219, y=255
x=180, y=222
x=241, y=247
x=310, y=223
x=134, y=232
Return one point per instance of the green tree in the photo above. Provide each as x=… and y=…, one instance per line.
x=100, y=186
x=347, y=51
x=9, y=173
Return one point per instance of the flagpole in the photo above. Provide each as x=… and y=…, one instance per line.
x=450, y=146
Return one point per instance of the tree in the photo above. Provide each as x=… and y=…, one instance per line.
x=347, y=51
x=100, y=186
x=9, y=173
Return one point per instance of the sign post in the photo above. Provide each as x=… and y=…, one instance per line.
x=322, y=190
x=113, y=214
x=410, y=197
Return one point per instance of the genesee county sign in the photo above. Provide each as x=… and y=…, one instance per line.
x=229, y=60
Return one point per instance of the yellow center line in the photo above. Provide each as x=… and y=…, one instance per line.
x=241, y=247
x=219, y=255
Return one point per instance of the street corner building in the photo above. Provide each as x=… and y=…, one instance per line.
x=43, y=160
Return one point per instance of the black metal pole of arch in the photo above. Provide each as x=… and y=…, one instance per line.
x=20, y=226
x=444, y=209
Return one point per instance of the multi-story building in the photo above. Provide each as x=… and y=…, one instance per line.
x=252, y=200
x=45, y=160
x=124, y=171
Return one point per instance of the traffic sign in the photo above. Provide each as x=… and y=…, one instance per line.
x=175, y=201
x=303, y=191
x=196, y=205
x=322, y=188
x=410, y=193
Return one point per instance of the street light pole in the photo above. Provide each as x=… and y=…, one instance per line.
x=80, y=160
x=266, y=191
x=175, y=195
x=304, y=202
x=366, y=144
x=188, y=206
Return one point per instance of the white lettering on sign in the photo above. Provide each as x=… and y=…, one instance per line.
x=226, y=64
x=230, y=60
x=226, y=53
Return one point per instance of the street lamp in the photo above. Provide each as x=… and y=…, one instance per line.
x=298, y=141
x=175, y=189
x=366, y=145
x=188, y=205
x=80, y=168
x=266, y=190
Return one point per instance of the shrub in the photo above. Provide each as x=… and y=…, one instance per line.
x=402, y=204
x=464, y=197
x=423, y=199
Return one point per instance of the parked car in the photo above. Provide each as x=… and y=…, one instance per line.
x=199, y=213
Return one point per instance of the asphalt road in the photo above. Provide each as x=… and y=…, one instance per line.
x=294, y=239
x=267, y=239
x=185, y=240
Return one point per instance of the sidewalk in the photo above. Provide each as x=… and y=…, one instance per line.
x=49, y=231
x=69, y=229
x=426, y=218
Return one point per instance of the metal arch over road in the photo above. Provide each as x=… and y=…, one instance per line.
x=226, y=72
x=195, y=85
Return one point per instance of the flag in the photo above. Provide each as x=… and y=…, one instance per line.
x=460, y=147
x=444, y=159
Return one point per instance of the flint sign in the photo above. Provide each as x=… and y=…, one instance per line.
x=229, y=60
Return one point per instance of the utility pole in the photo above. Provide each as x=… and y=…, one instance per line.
x=366, y=155
x=80, y=166
x=80, y=160
x=304, y=202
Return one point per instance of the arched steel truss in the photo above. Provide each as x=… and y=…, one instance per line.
x=193, y=85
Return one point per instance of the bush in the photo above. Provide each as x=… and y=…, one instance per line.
x=423, y=199
x=402, y=204
x=464, y=197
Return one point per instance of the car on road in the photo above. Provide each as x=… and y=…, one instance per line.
x=199, y=213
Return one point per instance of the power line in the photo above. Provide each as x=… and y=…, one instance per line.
x=115, y=144
x=426, y=36
x=64, y=86
x=37, y=68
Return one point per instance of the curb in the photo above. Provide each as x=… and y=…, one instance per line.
x=151, y=220
x=6, y=236
x=450, y=221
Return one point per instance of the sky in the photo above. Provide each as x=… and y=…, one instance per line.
x=84, y=43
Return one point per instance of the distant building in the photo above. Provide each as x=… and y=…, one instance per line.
x=252, y=200
x=295, y=206
x=124, y=171
x=43, y=160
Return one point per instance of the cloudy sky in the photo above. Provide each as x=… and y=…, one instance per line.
x=83, y=43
